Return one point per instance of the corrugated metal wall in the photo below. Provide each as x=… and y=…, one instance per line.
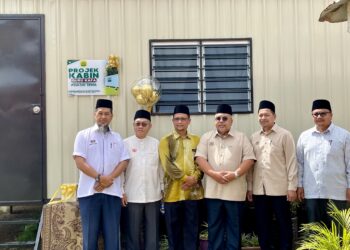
x=295, y=59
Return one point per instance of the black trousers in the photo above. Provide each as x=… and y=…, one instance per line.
x=182, y=224
x=268, y=207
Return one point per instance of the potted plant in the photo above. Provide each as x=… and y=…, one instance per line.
x=203, y=237
x=319, y=236
x=250, y=242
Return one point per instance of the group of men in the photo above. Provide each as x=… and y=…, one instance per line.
x=223, y=167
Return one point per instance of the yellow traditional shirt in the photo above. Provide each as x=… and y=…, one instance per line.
x=177, y=158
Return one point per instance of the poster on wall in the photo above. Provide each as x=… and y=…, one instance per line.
x=89, y=77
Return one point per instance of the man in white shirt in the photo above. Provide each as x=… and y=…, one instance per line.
x=101, y=157
x=323, y=154
x=143, y=185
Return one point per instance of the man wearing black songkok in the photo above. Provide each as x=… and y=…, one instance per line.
x=323, y=154
x=101, y=157
x=274, y=179
x=224, y=155
x=182, y=182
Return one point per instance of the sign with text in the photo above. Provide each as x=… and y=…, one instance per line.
x=88, y=77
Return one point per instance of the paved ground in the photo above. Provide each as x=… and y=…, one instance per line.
x=9, y=232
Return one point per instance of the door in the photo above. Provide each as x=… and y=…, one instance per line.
x=22, y=120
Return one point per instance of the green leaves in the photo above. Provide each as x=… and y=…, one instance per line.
x=319, y=237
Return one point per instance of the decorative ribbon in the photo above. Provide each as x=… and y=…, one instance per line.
x=68, y=191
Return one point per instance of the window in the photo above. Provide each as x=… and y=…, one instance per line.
x=202, y=74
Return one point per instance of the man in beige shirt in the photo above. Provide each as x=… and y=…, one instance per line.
x=274, y=181
x=224, y=155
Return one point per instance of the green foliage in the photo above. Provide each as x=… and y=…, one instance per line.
x=164, y=243
x=250, y=240
x=28, y=233
x=111, y=71
x=319, y=237
x=204, y=233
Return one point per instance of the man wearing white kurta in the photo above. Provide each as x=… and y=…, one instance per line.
x=143, y=185
x=101, y=157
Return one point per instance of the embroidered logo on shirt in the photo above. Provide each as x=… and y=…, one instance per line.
x=93, y=142
x=134, y=150
x=211, y=143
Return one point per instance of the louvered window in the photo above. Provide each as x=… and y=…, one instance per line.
x=203, y=74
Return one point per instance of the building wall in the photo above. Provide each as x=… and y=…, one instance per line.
x=295, y=60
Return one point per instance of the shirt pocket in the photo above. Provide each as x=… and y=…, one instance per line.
x=152, y=159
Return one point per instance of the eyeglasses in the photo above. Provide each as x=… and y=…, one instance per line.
x=221, y=118
x=322, y=114
x=143, y=124
x=180, y=119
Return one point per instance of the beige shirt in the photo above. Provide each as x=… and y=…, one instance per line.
x=225, y=154
x=275, y=169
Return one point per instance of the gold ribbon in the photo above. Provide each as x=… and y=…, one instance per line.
x=68, y=191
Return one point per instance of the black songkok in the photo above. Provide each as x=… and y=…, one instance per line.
x=181, y=109
x=267, y=105
x=142, y=114
x=321, y=104
x=104, y=103
x=224, y=108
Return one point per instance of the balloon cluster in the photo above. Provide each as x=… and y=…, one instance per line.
x=146, y=92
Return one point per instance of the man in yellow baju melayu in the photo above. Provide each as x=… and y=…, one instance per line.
x=182, y=183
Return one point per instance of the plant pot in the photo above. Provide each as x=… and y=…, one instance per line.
x=251, y=248
x=203, y=244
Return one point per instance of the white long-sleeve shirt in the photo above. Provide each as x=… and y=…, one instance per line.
x=324, y=163
x=144, y=174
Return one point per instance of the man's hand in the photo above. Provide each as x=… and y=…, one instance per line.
x=124, y=200
x=300, y=193
x=230, y=175
x=189, y=182
x=348, y=195
x=219, y=176
x=292, y=196
x=98, y=187
x=106, y=181
x=250, y=196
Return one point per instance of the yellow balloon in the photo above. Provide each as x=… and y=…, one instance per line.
x=146, y=91
x=135, y=90
x=155, y=97
x=140, y=100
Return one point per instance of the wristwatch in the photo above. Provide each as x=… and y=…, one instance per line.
x=97, y=178
x=236, y=174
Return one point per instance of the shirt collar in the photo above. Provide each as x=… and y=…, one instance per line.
x=230, y=133
x=274, y=128
x=328, y=130
x=177, y=136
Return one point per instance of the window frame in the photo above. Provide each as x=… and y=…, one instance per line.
x=201, y=69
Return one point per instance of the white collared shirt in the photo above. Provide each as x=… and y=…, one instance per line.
x=103, y=152
x=324, y=163
x=144, y=174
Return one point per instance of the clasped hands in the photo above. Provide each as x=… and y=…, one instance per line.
x=105, y=182
x=190, y=181
x=222, y=176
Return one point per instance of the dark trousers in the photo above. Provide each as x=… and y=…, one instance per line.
x=142, y=216
x=100, y=213
x=224, y=224
x=316, y=210
x=182, y=224
x=265, y=207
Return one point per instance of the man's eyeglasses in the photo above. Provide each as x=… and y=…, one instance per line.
x=221, y=118
x=180, y=119
x=322, y=114
x=143, y=124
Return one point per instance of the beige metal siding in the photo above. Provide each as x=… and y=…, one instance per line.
x=295, y=59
